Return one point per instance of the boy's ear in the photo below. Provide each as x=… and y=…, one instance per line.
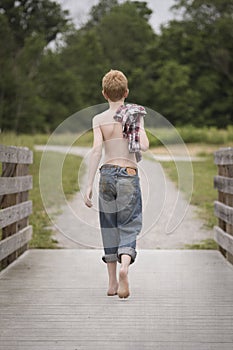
x=126, y=93
x=105, y=96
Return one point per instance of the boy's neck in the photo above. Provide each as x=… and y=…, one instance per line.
x=115, y=105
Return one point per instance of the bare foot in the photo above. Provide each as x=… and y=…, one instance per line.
x=123, y=289
x=112, y=290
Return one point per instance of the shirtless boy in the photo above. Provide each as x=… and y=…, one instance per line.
x=120, y=207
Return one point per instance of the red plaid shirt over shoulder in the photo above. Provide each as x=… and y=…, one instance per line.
x=130, y=115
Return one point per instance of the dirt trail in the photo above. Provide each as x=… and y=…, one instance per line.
x=78, y=226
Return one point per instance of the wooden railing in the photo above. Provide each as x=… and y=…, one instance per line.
x=15, y=208
x=224, y=206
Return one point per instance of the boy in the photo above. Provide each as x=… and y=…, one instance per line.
x=120, y=129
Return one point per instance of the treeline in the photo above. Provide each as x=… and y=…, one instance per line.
x=185, y=72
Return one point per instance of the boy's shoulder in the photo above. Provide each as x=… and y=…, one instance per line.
x=96, y=119
x=99, y=118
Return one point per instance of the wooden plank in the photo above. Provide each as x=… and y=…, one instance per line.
x=22, y=170
x=223, y=184
x=224, y=239
x=15, y=213
x=10, y=185
x=224, y=156
x=12, y=154
x=8, y=200
x=225, y=170
x=13, y=243
x=223, y=212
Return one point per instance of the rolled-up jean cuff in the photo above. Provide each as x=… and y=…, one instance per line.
x=110, y=258
x=127, y=251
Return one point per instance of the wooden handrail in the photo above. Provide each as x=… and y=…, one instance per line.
x=15, y=208
x=223, y=207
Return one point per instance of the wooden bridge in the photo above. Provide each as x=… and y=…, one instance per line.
x=56, y=299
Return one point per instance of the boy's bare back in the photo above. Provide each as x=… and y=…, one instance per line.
x=115, y=146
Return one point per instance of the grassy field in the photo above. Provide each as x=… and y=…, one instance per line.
x=191, y=135
x=210, y=137
x=42, y=233
x=204, y=194
x=24, y=140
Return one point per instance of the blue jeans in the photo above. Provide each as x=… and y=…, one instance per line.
x=120, y=211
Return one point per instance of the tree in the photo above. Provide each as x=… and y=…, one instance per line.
x=208, y=26
x=185, y=72
x=126, y=42
x=27, y=17
x=59, y=89
x=174, y=96
x=7, y=84
x=98, y=11
x=85, y=57
x=26, y=26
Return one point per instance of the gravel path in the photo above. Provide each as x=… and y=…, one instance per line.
x=169, y=222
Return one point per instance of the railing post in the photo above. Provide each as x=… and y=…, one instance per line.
x=224, y=206
x=15, y=184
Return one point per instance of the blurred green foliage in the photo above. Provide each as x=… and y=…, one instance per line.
x=191, y=134
x=185, y=72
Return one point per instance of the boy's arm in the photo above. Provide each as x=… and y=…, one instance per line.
x=144, y=142
x=95, y=157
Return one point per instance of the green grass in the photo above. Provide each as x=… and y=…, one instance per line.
x=190, y=134
x=203, y=195
x=82, y=140
x=205, y=244
x=42, y=233
x=11, y=139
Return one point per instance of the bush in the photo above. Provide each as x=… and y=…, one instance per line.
x=191, y=134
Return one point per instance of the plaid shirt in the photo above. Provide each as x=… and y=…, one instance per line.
x=130, y=115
